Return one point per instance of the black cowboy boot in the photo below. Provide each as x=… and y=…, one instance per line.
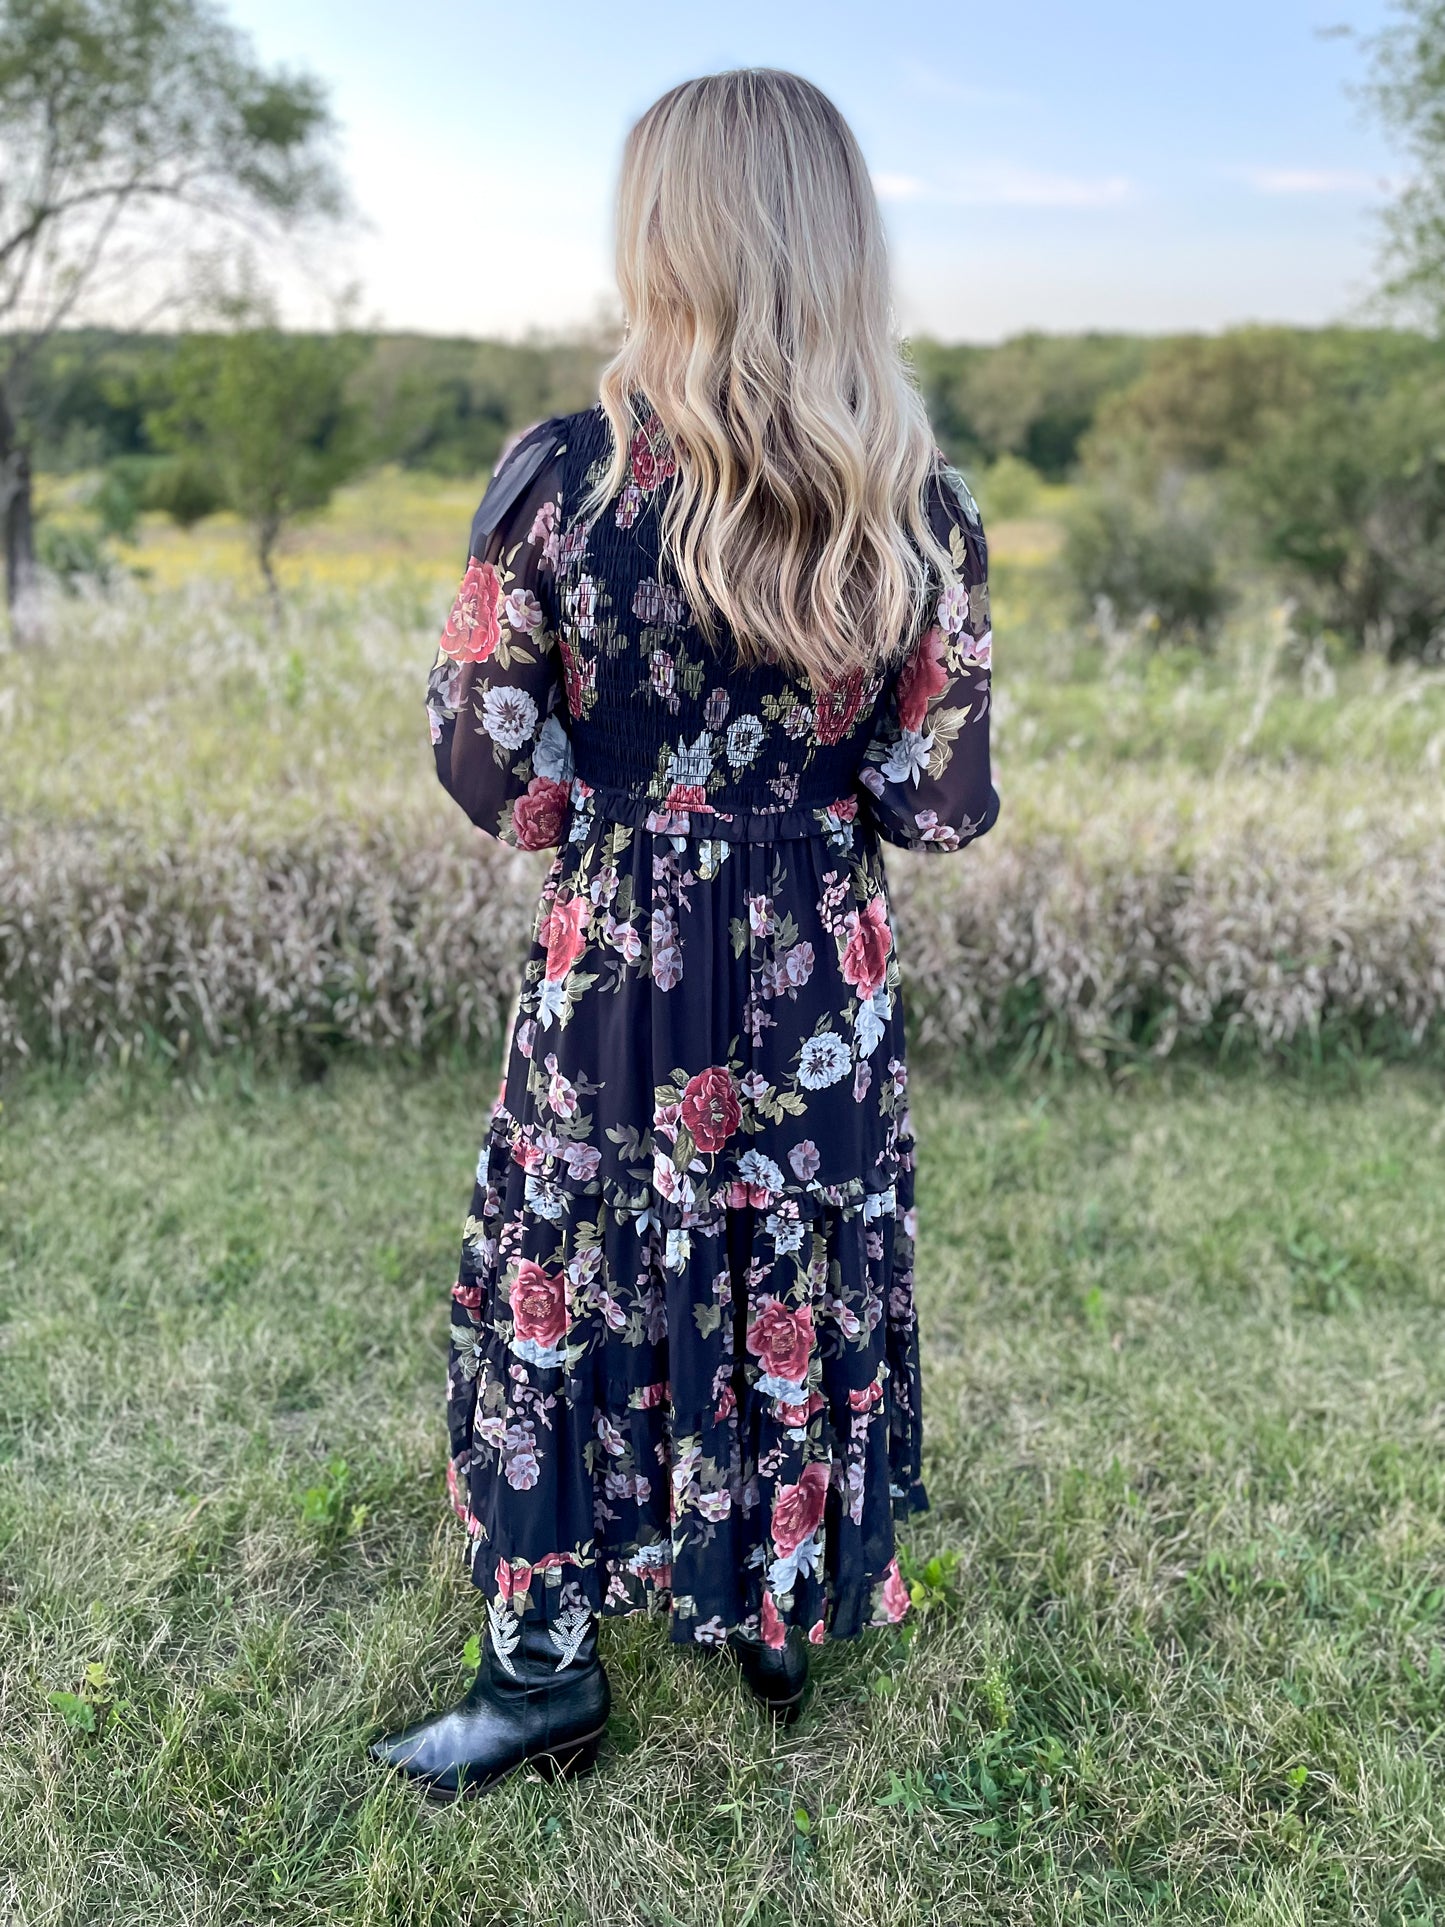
x=544, y=1698
x=777, y=1674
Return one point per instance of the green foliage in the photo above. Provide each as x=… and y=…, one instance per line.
x=1347, y=495
x=73, y=553
x=1008, y=488
x=1326, y=454
x=448, y=406
x=268, y=414
x=110, y=104
x=1034, y=397
x=1156, y=562
x=1407, y=90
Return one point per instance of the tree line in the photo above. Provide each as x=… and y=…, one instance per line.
x=1316, y=455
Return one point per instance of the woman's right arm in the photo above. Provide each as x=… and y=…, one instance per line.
x=494, y=696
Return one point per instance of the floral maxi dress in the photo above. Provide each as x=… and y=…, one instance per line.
x=684, y=1368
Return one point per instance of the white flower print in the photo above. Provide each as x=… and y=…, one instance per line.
x=744, y=740
x=760, y=1172
x=953, y=609
x=552, y=757
x=870, y=1021
x=908, y=759
x=690, y=764
x=524, y=611
x=582, y=602
x=805, y=1159
x=509, y=715
x=822, y=1061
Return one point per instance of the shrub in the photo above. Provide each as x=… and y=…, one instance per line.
x=1156, y=559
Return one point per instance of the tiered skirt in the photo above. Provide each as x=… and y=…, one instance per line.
x=683, y=1371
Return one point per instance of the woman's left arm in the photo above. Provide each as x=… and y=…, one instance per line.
x=494, y=695
x=926, y=775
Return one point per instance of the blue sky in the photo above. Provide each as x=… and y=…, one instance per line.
x=1144, y=164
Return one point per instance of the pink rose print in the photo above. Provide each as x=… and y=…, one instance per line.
x=686, y=796
x=537, y=817
x=894, y=1597
x=628, y=503
x=838, y=706
x=562, y=932
x=710, y=1108
x=923, y=677
x=865, y=960
x=473, y=630
x=805, y=1159
x=544, y=523
x=651, y=455
x=774, y=1632
x=539, y=1304
x=524, y=611
x=781, y=1340
x=798, y=1509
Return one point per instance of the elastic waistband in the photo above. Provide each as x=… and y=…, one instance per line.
x=731, y=826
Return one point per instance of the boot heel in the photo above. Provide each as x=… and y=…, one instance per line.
x=567, y=1762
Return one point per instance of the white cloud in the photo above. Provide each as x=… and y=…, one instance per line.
x=1001, y=185
x=900, y=187
x=1311, y=180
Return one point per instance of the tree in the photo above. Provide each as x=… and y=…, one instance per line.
x=1407, y=90
x=116, y=115
x=267, y=416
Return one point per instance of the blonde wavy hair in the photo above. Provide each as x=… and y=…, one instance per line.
x=753, y=271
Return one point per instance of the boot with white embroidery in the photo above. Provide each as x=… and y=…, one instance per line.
x=540, y=1696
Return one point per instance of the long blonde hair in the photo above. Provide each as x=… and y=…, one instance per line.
x=753, y=271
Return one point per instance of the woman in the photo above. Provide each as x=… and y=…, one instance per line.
x=717, y=636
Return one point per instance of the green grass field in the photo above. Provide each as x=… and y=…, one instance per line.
x=1180, y=1650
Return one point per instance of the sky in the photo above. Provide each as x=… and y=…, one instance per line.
x=1132, y=164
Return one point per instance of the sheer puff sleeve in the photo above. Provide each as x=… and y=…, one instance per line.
x=494, y=695
x=926, y=774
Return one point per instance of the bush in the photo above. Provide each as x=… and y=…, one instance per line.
x=1008, y=487
x=1156, y=560
x=1347, y=496
x=73, y=552
x=1327, y=453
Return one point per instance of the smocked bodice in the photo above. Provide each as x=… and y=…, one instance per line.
x=572, y=672
x=660, y=718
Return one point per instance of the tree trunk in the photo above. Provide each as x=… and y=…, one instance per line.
x=17, y=519
x=267, y=532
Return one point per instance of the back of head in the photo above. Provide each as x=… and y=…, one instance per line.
x=753, y=272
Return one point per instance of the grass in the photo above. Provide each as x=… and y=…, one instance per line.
x=1180, y=1652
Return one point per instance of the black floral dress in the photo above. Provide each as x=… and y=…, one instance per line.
x=684, y=1361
